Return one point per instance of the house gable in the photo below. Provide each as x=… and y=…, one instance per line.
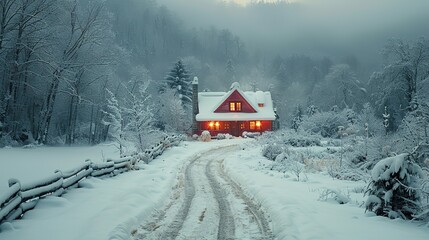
x=235, y=96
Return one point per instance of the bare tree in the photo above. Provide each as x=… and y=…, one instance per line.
x=83, y=32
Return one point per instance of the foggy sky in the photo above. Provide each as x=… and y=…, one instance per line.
x=314, y=27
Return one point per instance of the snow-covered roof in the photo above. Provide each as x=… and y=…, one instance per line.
x=208, y=102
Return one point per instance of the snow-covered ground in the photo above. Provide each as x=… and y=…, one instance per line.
x=29, y=164
x=301, y=210
x=103, y=208
x=113, y=208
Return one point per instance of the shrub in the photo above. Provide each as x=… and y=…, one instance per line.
x=326, y=123
x=205, y=136
x=392, y=191
x=251, y=134
x=271, y=151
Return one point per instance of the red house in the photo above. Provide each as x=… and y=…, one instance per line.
x=232, y=112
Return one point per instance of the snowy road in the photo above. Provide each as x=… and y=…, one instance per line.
x=207, y=204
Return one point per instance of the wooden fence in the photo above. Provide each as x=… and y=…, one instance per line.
x=20, y=198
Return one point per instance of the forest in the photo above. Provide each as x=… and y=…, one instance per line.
x=85, y=72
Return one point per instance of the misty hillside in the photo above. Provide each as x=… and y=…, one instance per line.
x=214, y=119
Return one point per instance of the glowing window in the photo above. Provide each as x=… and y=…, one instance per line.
x=255, y=125
x=232, y=107
x=238, y=106
x=226, y=126
x=235, y=106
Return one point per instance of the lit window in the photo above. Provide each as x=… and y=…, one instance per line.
x=232, y=106
x=241, y=126
x=255, y=125
x=235, y=106
x=217, y=125
x=226, y=126
x=211, y=125
x=238, y=106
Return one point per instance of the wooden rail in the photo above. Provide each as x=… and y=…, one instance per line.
x=20, y=198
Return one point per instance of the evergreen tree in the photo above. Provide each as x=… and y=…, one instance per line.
x=230, y=72
x=179, y=80
x=393, y=190
x=297, y=118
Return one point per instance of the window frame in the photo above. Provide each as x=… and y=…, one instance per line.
x=235, y=106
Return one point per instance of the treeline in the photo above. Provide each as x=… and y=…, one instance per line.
x=63, y=63
x=401, y=85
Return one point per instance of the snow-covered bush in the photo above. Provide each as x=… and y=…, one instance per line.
x=8, y=141
x=302, y=140
x=221, y=136
x=393, y=190
x=292, y=138
x=205, y=136
x=327, y=123
x=250, y=134
x=271, y=151
x=334, y=195
x=290, y=161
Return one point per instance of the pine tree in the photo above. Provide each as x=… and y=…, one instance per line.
x=297, y=118
x=179, y=80
x=393, y=190
x=230, y=71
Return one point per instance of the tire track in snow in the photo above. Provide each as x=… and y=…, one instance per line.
x=205, y=204
x=226, y=219
x=253, y=207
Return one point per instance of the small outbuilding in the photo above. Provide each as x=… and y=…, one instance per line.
x=233, y=112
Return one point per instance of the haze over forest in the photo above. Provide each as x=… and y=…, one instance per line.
x=63, y=60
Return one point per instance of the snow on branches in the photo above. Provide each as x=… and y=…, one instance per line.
x=393, y=190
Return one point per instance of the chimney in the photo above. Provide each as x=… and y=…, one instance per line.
x=195, y=109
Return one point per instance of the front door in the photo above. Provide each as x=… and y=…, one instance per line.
x=235, y=128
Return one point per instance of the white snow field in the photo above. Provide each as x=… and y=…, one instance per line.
x=297, y=210
x=29, y=164
x=123, y=207
x=103, y=208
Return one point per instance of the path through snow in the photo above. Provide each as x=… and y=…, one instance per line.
x=207, y=204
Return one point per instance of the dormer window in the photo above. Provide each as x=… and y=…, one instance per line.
x=235, y=106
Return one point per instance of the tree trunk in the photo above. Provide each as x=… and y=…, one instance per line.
x=47, y=112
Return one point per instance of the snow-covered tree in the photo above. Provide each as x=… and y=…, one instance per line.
x=311, y=110
x=325, y=123
x=229, y=72
x=393, y=191
x=171, y=113
x=139, y=116
x=179, y=80
x=369, y=123
x=297, y=118
x=342, y=87
x=113, y=119
x=386, y=120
